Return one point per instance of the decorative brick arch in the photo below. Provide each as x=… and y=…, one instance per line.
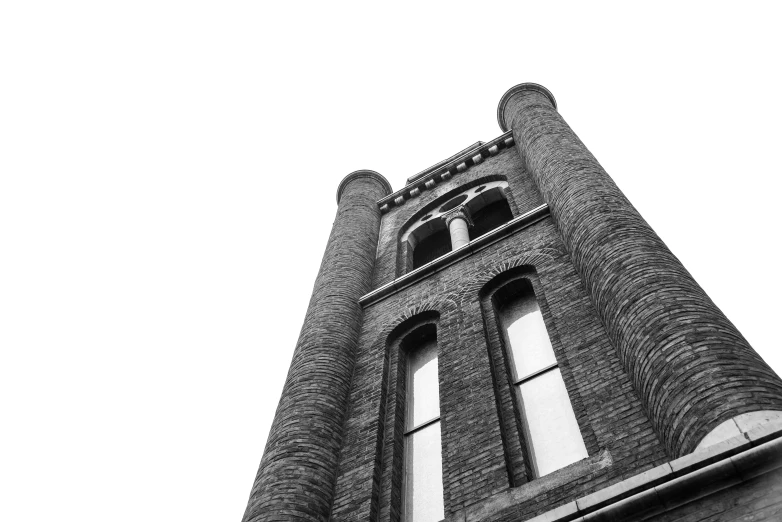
x=435, y=305
x=534, y=258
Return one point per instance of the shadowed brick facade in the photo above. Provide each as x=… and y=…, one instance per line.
x=652, y=367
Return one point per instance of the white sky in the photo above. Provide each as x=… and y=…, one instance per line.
x=168, y=174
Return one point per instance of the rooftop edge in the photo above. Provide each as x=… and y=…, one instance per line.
x=363, y=173
x=528, y=86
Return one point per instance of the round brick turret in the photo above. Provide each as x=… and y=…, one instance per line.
x=295, y=480
x=692, y=369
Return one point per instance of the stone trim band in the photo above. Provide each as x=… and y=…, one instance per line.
x=679, y=482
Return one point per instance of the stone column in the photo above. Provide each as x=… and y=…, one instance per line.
x=692, y=369
x=295, y=480
x=458, y=220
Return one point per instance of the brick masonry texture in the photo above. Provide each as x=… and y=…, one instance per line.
x=295, y=480
x=688, y=363
x=649, y=362
x=475, y=433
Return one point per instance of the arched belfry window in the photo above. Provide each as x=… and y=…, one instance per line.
x=489, y=210
x=551, y=431
x=484, y=208
x=422, y=498
x=437, y=243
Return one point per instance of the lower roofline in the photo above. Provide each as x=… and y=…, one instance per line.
x=671, y=485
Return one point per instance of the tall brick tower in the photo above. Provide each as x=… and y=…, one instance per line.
x=506, y=339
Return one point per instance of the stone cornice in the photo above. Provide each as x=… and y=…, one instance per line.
x=439, y=164
x=362, y=174
x=515, y=89
x=456, y=165
x=476, y=245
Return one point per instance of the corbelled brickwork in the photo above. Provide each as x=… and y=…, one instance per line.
x=295, y=480
x=689, y=364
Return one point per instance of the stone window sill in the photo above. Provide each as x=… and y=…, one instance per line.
x=533, y=488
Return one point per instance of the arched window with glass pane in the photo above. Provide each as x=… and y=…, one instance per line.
x=553, y=438
x=423, y=471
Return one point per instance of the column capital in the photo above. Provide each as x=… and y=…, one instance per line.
x=364, y=173
x=460, y=212
x=516, y=89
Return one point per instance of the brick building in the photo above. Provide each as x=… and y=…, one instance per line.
x=506, y=339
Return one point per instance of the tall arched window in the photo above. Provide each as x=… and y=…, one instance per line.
x=423, y=469
x=551, y=431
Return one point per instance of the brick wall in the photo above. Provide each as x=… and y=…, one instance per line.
x=691, y=367
x=650, y=364
x=619, y=436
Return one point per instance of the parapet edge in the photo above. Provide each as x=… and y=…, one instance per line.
x=528, y=86
x=364, y=173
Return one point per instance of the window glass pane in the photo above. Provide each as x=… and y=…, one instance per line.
x=552, y=430
x=526, y=335
x=424, y=476
x=423, y=397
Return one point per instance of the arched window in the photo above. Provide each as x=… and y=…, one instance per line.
x=490, y=216
x=428, y=238
x=553, y=438
x=436, y=244
x=423, y=471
